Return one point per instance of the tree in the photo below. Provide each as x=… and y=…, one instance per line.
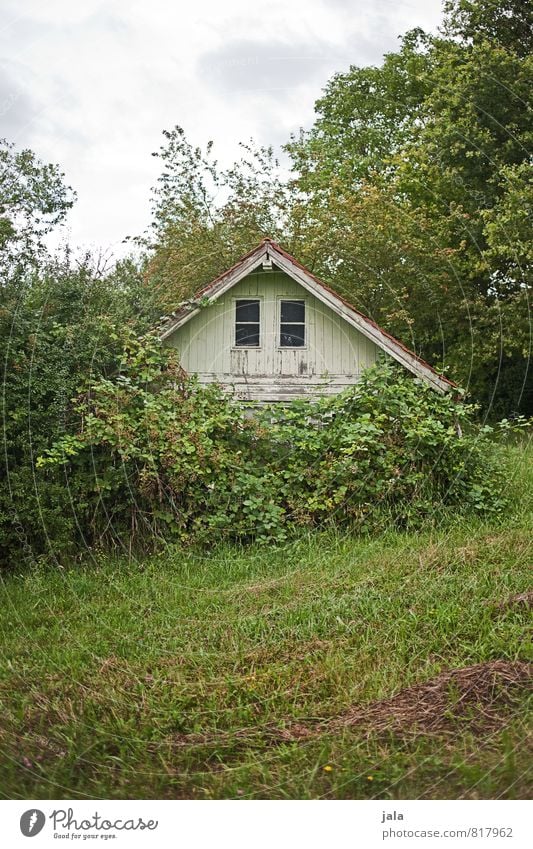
x=465, y=160
x=504, y=23
x=365, y=115
x=63, y=324
x=419, y=170
x=205, y=217
x=33, y=200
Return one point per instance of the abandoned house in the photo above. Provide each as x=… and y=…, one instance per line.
x=269, y=330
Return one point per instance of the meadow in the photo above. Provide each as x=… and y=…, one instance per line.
x=336, y=666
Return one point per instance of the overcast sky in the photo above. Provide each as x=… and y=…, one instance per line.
x=91, y=85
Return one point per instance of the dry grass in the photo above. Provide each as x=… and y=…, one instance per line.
x=479, y=694
x=524, y=600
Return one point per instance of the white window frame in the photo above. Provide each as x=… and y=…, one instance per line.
x=234, y=346
x=305, y=325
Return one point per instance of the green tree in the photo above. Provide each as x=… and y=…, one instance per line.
x=471, y=150
x=33, y=200
x=62, y=324
x=206, y=217
x=419, y=171
x=364, y=116
x=507, y=23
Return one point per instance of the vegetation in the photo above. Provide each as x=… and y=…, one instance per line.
x=33, y=200
x=411, y=195
x=56, y=330
x=155, y=645
x=185, y=675
x=172, y=459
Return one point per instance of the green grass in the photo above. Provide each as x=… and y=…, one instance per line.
x=169, y=678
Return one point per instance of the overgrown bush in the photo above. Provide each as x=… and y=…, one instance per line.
x=56, y=329
x=388, y=449
x=173, y=460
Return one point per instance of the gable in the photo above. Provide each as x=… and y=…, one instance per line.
x=268, y=253
x=332, y=348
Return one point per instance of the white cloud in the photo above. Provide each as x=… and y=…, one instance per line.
x=92, y=85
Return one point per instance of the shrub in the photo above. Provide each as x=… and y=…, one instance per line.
x=57, y=326
x=174, y=460
x=388, y=448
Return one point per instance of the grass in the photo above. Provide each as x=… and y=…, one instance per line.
x=175, y=677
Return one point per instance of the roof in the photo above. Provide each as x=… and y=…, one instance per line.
x=269, y=250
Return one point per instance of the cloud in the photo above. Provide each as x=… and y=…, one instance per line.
x=267, y=67
x=91, y=85
x=17, y=109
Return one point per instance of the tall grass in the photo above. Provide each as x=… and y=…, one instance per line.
x=175, y=676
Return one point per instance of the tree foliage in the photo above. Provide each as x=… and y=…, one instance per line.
x=33, y=200
x=58, y=326
x=206, y=217
x=507, y=23
x=417, y=174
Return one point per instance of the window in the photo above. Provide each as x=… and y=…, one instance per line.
x=247, y=324
x=292, y=324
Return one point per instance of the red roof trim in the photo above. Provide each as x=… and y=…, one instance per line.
x=362, y=315
x=206, y=289
x=234, y=267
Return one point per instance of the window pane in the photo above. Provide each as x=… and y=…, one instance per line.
x=292, y=335
x=293, y=312
x=247, y=335
x=247, y=310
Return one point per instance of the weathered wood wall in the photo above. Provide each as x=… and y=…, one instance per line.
x=333, y=358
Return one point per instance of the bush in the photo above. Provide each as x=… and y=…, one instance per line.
x=57, y=326
x=388, y=449
x=173, y=460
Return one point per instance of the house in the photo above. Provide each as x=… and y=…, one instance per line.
x=269, y=330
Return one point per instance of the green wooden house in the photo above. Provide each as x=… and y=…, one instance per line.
x=269, y=330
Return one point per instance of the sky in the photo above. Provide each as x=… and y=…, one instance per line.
x=91, y=85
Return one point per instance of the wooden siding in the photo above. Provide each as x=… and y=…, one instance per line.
x=334, y=355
